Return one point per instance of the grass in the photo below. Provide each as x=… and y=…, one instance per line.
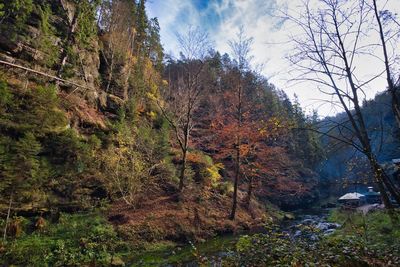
x=160, y=254
x=89, y=239
x=377, y=228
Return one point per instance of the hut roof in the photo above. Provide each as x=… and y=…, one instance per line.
x=396, y=161
x=351, y=196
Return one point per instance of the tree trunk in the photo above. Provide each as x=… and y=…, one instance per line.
x=391, y=86
x=391, y=187
x=183, y=168
x=235, y=187
x=238, y=143
x=184, y=147
x=378, y=174
x=249, y=193
x=8, y=217
x=395, y=106
x=361, y=129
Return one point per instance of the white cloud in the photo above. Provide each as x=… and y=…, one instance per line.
x=260, y=19
x=169, y=14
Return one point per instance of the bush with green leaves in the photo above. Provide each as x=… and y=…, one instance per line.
x=25, y=120
x=75, y=240
x=42, y=159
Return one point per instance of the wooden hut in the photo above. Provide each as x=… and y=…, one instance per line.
x=352, y=199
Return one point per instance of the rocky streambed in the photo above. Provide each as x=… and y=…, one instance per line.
x=310, y=227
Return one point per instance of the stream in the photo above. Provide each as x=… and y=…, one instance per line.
x=219, y=247
x=317, y=219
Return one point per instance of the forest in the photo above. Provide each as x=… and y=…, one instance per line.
x=115, y=152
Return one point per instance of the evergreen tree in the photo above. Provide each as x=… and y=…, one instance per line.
x=154, y=47
x=16, y=13
x=20, y=169
x=141, y=27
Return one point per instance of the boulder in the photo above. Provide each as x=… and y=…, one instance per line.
x=289, y=216
x=117, y=261
x=110, y=103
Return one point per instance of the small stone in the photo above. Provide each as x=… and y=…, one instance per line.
x=116, y=261
x=289, y=216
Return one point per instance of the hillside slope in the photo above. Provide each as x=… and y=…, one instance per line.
x=82, y=129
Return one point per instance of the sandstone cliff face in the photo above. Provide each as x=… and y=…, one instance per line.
x=73, y=62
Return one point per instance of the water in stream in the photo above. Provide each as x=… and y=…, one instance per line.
x=222, y=246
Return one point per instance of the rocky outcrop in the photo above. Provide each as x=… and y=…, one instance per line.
x=81, y=66
x=115, y=69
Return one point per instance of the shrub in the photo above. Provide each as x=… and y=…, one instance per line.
x=205, y=171
x=77, y=240
x=225, y=188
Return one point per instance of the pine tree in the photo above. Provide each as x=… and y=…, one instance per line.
x=141, y=27
x=20, y=169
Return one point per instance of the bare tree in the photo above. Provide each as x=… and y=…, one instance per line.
x=185, y=90
x=332, y=39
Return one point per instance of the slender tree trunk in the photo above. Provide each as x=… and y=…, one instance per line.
x=249, y=193
x=390, y=186
x=183, y=170
x=8, y=216
x=378, y=179
x=236, y=183
x=184, y=152
x=395, y=106
x=391, y=86
x=238, y=159
x=361, y=129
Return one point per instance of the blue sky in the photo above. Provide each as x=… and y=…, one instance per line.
x=260, y=19
x=220, y=18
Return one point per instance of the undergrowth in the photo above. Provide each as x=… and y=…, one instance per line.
x=75, y=240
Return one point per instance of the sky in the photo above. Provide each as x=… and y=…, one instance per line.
x=261, y=20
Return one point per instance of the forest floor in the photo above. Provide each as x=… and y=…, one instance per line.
x=195, y=215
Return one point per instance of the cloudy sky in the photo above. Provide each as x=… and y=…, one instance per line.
x=261, y=20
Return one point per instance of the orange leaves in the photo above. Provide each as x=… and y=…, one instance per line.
x=241, y=127
x=140, y=108
x=194, y=157
x=244, y=149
